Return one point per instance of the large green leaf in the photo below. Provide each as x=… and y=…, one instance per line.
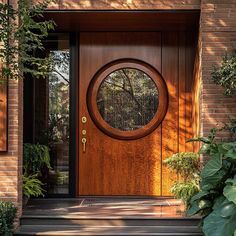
x=212, y=166
x=221, y=222
x=194, y=209
x=198, y=206
x=230, y=193
x=231, y=181
x=219, y=201
x=227, y=210
x=199, y=195
x=231, y=154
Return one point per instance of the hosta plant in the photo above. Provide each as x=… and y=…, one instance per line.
x=186, y=165
x=216, y=201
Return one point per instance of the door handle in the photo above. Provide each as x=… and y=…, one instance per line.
x=84, y=140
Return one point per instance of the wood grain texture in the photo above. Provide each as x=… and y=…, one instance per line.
x=3, y=116
x=112, y=166
x=189, y=89
x=170, y=124
x=182, y=94
x=135, y=167
x=124, y=21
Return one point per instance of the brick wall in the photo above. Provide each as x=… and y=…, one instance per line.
x=11, y=161
x=218, y=36
x=124, y=4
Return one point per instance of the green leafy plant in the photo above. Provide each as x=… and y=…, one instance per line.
x=22, y=31
x=32, y=186
x=225, y=74
x=187, y=167
x=35, y=158
x=7, y=215
x=216, y=200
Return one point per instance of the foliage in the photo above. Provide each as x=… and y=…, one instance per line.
x=216, y=200
x=185, y=190
x=225, y=75
x=7, y=215
x=187, y=166
x=127, y=99
x=35, y=158
x=231, y=127
x=58, y=129
x=32, y=186
x=21, y=35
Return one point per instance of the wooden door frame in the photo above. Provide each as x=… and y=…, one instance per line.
x=74, y=90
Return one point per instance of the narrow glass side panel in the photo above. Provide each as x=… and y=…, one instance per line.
x=58, y=115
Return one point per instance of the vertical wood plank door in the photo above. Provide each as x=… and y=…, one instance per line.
x=129, y=111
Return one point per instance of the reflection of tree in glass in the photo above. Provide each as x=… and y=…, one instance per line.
x=127, y=99
x=59, y=97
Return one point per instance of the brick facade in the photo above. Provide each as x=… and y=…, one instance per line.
x=217, y=36
x=11, y=161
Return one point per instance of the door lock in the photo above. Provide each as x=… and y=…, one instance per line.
x=84, y=119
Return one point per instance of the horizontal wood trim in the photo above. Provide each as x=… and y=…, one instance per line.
x=124, y=20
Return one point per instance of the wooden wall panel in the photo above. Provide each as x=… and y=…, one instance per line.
x=182, y=94
x=3, y=116
x=190, y=50
x=170, y=125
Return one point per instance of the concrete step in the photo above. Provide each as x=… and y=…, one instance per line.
x=107, y=221
x=108, y=230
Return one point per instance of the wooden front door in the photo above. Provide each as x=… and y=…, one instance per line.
x=133, y=110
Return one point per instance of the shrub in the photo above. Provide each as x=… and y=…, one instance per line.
x=187, y=166
x=7, y=216
x=225, y=75
x=216, y=201
x=185, y=190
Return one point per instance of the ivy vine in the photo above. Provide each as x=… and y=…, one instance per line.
x=22, y=31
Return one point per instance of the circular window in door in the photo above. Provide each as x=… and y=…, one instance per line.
x=127, y=99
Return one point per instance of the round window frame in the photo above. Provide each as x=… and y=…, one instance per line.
x=96, y=83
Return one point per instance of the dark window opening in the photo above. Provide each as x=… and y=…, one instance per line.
x=47, y=113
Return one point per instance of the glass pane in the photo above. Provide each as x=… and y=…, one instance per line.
x=127, y=99
x=58, y=122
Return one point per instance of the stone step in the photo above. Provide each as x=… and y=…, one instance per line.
x=60, y=230
x=106, y=221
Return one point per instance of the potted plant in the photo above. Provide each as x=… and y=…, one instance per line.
x=32, y=187
x=36, y=162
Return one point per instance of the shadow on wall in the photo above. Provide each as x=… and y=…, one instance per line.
x=124, y=4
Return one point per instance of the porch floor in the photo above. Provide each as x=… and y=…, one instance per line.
x=107, y=207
